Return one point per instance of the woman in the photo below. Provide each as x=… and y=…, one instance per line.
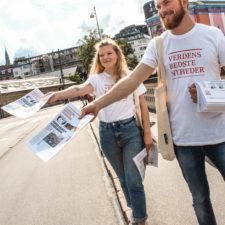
x=120, y=137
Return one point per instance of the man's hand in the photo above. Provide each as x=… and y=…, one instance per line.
x=53, y=97
x=193, y=92
x=91, y=108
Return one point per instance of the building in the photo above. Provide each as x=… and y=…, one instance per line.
x=21, y=68
x=7, y=59
x=205, y=12
x=209, y=13
x=31, y=66
x=6, y=72
x=24, y=67
x=137, y=36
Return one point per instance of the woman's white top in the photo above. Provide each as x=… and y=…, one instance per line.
x=120, y=110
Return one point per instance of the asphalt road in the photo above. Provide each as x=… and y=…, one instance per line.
x=73, y=188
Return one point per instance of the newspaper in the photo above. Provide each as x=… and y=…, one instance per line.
x=139, y=160
x=211, y=96
x=28, y=104
x=51, y=139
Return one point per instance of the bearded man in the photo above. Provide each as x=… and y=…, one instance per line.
x=192, y=53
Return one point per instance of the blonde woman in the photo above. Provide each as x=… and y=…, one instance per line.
x=120, y=137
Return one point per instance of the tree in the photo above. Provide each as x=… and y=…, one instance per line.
x=74, y=77
x=132, y=61
x=128, y=53
x=86, y=50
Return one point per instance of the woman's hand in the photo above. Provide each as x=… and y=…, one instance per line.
x=148, y=142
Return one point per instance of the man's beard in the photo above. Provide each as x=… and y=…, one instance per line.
x=177, y=18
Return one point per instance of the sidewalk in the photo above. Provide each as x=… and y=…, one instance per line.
x=126, y=211
x=166, y=189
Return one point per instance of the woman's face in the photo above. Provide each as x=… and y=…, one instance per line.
x=108, y=57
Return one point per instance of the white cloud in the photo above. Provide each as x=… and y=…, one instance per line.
x=44, y=26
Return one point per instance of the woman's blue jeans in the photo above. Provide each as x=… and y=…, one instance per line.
x=120, y=142
x=192, y=162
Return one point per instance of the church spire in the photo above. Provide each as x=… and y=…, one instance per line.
x=7, y=60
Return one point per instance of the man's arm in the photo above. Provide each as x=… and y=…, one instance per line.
x=122, y=89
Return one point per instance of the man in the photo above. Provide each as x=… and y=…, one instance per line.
x=192, y=52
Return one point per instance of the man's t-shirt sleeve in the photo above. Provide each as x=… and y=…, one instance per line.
x=150, y=57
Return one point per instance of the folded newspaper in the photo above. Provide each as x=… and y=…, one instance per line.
x=139, y=159
x=27, y=105
x=51, y=139
x=211, y=96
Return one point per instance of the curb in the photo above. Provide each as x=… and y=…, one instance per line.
x=119, y=193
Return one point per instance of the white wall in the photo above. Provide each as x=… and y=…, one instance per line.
x=139, y=47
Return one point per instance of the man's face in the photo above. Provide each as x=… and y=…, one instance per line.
x=171, y=13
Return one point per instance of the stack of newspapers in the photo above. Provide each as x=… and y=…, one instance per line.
x=211, y=96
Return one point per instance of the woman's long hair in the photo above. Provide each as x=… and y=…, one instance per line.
x=121, y=65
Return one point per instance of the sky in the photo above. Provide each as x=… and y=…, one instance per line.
x=32, y=27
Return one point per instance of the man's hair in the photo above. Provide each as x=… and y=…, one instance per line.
x=121, y=65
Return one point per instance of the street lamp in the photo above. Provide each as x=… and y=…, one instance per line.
x=61, y=72
x=94, y=15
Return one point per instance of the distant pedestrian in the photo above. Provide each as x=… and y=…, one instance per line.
x=120, y=137
x=192, y=53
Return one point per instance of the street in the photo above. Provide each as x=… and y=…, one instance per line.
x=73, y=188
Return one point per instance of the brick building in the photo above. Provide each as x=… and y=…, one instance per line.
x=205, y=12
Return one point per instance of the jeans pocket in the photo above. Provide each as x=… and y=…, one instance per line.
x=130, y=124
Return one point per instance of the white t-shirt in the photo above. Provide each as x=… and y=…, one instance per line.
x=191, y=57
x=120, y=110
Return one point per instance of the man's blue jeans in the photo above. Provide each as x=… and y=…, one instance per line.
x=192, y=162
x=120, y=142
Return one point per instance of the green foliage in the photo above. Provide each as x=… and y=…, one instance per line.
x=132, y=61
x=128, y=53
x=74, y=77
x=79, y=69
x=86, y=50
x=125, y=47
